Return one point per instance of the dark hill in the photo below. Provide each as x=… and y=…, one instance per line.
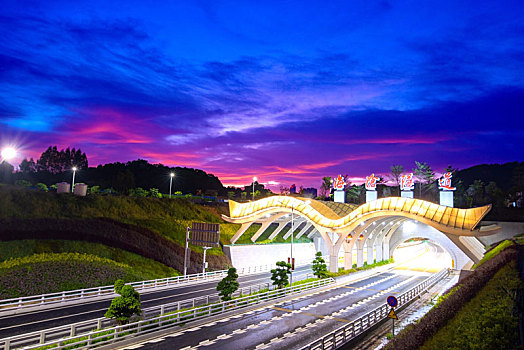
x=502, y=174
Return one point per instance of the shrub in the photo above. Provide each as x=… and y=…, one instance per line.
x=138, y=192
x=122, y=308
x=23, y=183
x=319, y=266
x=42, y=187
x=279, y=276
x=228, y=285
x=153, y=192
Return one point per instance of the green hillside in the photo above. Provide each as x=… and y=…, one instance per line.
x=136, y=238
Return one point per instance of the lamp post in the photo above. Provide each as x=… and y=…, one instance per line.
x=254, y=179
x=73, y=182
x=292, y=231
x=8, y=153
x=172, y=175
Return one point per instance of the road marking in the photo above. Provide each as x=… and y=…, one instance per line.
x=136, y=346
x=156, y=340
x=261, y=346
x=224, y=336
x=206, y=342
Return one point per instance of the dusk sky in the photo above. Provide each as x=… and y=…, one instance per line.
x=288, y=91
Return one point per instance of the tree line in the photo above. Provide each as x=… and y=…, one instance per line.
x=55, y=166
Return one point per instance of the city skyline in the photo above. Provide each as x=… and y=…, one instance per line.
x=288, y=92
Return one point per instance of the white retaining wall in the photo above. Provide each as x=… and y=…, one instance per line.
x=250, y=255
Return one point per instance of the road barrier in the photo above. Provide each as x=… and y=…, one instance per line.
x=351, y=330
x=109, y=291
x=101, y=331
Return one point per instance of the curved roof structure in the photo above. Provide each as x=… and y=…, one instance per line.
x=340, y=217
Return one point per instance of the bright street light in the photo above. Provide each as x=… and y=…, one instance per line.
x=308, y=202
x=254, y=179
x=8, y=153
x=171, y=176
x=73, y=182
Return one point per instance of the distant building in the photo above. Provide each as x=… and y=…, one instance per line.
x=310, y=192
x=293, y=189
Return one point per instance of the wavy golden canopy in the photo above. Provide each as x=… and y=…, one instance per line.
x=342, y=216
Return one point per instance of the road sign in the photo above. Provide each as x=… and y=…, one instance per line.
x=392, y=301
x=204, y=234
x=392, y=315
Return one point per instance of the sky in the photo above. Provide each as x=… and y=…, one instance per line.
x=288, y=91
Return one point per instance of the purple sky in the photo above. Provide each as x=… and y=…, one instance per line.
x=289, y=91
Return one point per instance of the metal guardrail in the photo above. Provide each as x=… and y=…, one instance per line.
x=109, y=291
x=344, y=334
x=98, y=332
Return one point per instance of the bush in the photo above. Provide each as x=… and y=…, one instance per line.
x=319, y=266
x=228, y=285
x=122, y=308
x=23, y=183
x=153, y=192
x=279, y=276
x=42, y=187
x=138, y=192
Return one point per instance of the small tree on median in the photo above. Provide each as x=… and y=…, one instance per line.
x=228, y=285
x=319, y=266
x=122, y=308
x=280, y=274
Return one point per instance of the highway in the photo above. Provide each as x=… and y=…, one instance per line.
x=67, y=314
x=295, y=323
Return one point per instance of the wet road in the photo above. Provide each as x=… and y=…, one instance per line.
x=61, y=315
x=295, y=323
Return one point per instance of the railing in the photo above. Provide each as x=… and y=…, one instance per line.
x=102, y=331
x=344, y=334
x=109, y=291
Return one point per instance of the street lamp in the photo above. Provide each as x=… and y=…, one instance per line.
x=73, y=182
x=292, y=231
x=254, y=179
x=8, y=153
x=172, y=175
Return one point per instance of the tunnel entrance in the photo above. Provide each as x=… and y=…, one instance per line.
x=422, y=254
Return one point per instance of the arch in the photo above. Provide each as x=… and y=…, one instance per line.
x=458, y=225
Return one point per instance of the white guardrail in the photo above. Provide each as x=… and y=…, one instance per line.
x=109, y=291
x=102, y=331
x=351, y=330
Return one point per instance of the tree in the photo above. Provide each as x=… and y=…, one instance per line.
x=27, y=166
x=6, y=171
x=228, y=285
x=279, y=276
x=319, y=266
x=122, y=308
x=54, y=161
x=425, y=175
x=138, y=192
x=395, y=172
x=495, y=194
x=475, y=193
x=325, y=187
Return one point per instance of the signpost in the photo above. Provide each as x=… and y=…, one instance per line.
x=204, y=235
x=393, y=302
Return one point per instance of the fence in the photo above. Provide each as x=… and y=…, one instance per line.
x=351, y=330
x=109, y=291
x=102, y=331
